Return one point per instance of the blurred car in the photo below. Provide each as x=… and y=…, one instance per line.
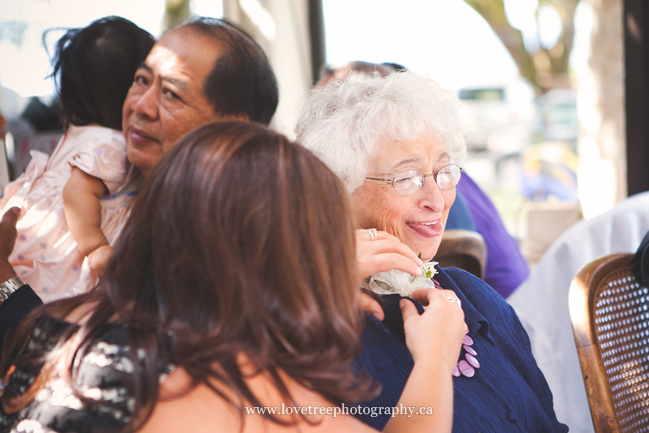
x=499, y=117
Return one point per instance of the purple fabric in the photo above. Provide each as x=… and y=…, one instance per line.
x=506, y=267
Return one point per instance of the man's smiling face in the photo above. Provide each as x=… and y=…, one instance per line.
x=166, y=100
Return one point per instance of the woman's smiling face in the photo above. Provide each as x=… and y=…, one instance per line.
x=417, y=220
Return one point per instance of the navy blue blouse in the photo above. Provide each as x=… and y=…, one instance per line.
x=508, y=392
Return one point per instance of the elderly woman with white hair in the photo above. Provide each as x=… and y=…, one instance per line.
x=397, y=143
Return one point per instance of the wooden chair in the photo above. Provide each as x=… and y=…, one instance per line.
x=609, y=311
x=463, y=249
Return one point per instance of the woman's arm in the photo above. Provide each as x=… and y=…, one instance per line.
x=81, y=196
x=434, y=340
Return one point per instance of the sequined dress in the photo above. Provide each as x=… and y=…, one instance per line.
x=103, y=377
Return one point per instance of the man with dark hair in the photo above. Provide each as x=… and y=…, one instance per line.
x=200, y=72
x=251, y=86
x=203, y=71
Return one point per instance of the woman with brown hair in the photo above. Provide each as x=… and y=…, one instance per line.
x=233, y=288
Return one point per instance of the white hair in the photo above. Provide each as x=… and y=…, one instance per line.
x=345, y=122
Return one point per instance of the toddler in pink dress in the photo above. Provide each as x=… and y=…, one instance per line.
x=73, y=204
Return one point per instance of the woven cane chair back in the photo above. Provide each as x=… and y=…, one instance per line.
x=610, y=319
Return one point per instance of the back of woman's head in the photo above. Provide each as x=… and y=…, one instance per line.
x=94, y=67
x=242, y=243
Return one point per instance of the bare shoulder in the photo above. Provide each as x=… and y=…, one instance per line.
x=203, y=410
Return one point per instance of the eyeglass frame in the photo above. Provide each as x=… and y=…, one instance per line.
x=423, y=177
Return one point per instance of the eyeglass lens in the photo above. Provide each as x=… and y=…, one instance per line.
x=408, y=182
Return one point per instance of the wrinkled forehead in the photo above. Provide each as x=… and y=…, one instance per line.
x=184, y=57
x=426, y=147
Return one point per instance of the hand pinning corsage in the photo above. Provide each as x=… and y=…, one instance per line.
x=399, y=282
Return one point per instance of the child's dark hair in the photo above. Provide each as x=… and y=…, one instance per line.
x=94, y=67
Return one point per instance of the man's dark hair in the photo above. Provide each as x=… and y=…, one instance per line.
x=93, y=68
x=241, y=81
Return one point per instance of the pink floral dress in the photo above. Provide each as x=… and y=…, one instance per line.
x=46, y=255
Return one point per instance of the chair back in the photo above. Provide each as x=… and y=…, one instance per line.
x=609, y=311
x=464, y=249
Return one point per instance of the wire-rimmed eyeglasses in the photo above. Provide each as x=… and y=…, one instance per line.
x=408, y=182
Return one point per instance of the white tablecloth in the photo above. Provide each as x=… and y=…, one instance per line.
x=542, y=300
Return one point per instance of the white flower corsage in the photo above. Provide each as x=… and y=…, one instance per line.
x=399, y=282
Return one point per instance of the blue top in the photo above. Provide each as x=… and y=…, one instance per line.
x=459, y=216
x=508, y=392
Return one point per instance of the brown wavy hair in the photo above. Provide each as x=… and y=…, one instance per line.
x=241, y=242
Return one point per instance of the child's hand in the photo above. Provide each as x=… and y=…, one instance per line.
x=98, y=259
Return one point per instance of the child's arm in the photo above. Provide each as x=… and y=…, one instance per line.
x=81, y=196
